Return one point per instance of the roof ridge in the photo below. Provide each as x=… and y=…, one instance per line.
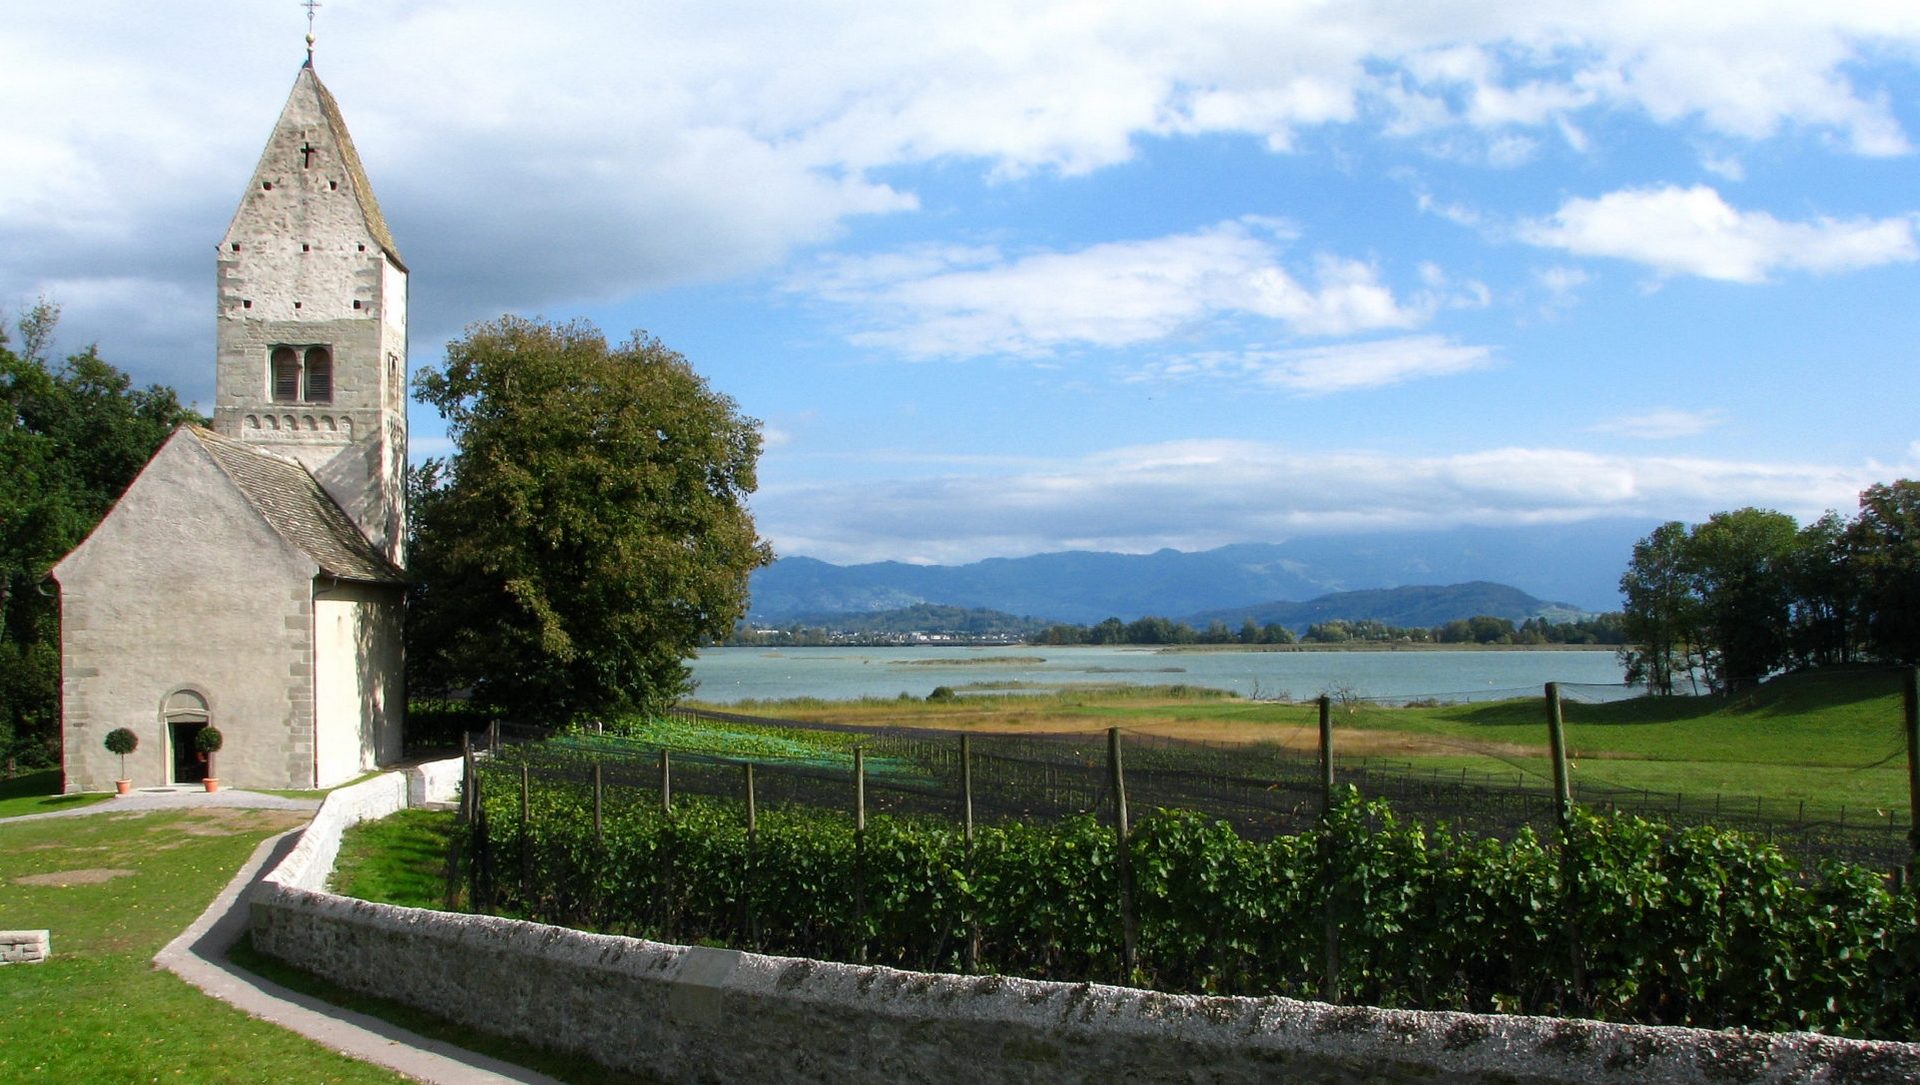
x=298, y=509
x=356, y=173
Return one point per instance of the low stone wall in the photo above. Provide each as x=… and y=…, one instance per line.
x=25, y=947
x=434, y=781
x=702, y=1015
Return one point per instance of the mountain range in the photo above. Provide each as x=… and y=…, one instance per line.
x=1577, y=566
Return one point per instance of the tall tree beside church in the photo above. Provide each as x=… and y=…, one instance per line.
x=590, y=529
x=73, y=435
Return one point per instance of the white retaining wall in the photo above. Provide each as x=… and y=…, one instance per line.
x=690, y=1014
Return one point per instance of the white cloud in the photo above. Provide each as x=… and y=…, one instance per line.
x=1692, y=231
x=1727, y=166
x=972, y=301
x=1343, y=367
x=1562, y=285
x=535, y=156
x=1661, y=424
x=1199, y=494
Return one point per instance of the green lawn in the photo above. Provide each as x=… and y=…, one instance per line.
x=39, y=793
x=398, y=859
x=113, y=889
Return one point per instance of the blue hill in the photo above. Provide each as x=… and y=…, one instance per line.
x=1576, y=564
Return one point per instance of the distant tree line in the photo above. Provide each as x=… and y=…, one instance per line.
x=1751, y=592
x=1480, y=629
x=906, y=625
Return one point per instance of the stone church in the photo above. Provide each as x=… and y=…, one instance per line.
x=251, y=578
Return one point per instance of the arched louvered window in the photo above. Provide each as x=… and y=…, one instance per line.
x=319, y=375
x=285, y=375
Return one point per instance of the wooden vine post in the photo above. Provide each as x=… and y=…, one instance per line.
x=1128, y=960
x=1330, y=920
x=526, y=828
x=966, y=816
x=666, y=782
x=668, y=911
x=599, y=836
x=466, y=822
x=1326, y=755
x=1557, y=740
x=748, y=920
x=1910, y=704
x=481, y=865
x=1563, y=818
x=860, y=853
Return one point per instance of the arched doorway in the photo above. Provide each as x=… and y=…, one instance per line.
x=186, y=715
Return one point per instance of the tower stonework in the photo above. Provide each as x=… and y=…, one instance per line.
x=312, y=319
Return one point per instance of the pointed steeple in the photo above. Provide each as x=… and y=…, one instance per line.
x=310, y=141
x=312, y=317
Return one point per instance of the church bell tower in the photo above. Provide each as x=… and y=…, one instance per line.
x=312, y=324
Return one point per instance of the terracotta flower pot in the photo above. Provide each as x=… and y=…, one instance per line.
x=212, y=784
x=123, y=786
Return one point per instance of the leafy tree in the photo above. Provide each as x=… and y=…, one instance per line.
x=1884, y=543
x=73, y=435
x=1824, y=582
x=1156, y=630
x=1488, y=629
x=1661, y=612
x=1738, y=562
x=1275, y=633
x=591, y=528
x=1333, y=632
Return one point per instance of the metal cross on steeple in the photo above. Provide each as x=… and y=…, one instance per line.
x=310, y=5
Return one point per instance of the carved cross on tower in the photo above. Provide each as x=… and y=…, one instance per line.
x=306, y=154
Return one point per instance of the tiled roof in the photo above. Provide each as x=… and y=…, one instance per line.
x=293, y=504
x=356, y=174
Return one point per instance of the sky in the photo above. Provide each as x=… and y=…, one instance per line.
x=1011, y=277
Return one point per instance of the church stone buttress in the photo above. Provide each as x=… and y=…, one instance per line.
x=312, y=324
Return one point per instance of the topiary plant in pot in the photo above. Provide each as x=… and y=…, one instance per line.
x=123, y=742
x=208, y=742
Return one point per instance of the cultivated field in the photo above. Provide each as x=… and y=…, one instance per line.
x=1831, y=739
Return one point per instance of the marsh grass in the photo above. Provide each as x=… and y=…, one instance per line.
x=1830, y=738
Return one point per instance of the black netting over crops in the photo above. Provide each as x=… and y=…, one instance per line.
x=1261, y=789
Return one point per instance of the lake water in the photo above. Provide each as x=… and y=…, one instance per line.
x=730, y=675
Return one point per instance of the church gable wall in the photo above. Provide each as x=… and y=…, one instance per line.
x=184, y=588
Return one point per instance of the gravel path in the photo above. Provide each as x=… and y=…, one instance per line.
x=199, y=956
x=176, y=798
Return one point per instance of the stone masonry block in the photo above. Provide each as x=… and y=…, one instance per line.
x=25, y=947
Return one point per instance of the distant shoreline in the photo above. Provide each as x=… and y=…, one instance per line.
x=1175, y=649
x=1364, y=646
